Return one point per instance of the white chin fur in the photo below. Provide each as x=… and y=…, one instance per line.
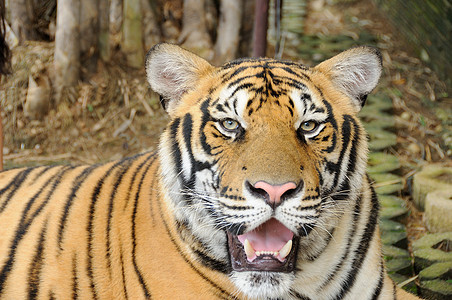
x=263, y=285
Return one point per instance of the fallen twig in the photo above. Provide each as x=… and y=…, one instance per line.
x=146, y=107
x=390, y=182
x=437, y=148
x=403, y=283
x=126, y=124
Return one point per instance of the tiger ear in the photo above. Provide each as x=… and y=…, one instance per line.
x=172, y=71
x=355, y=72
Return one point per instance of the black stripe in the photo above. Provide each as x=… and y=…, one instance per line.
x=176, y=155
x=223, y=293
x=196, y=165
x=267, y=64
x=233, y=207
x=36, y=264
x=295, y=84
x=134, y=240
x=89, y=228
x=23, y=226
x=42, y=172
x=184, y=229
x=13, y=186
x=394, y=290
x=328, y=239
x=187, y=128
x=354, y=148
x=259, y=61
x=298, y=295
x=124, y=286
x=331, y=120
x=227, y=104
x=74, y=277
x=234, y=105
x=75, y=186
x=220, y=108
x=353, y=154
x=240, y=87
x=212, y=263
x=205, y=118
x=261, y=72
x=236, y=62
x=154, y=193
x=356, y=214
x=363, y=247
x=134, y=177
x=56, y=180
x=119, y=176
x=378, y=288
x=229, y=76
x=298, y=75
x=346, y=140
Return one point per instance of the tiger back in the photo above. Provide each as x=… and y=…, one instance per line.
x=258, y=191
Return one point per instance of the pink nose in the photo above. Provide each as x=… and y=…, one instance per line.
x=275, y=192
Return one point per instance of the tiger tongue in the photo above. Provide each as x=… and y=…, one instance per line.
x=270, y=236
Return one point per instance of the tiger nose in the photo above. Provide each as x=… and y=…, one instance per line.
x=274, y=193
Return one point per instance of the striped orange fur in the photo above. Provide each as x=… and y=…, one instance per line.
x=258, y=191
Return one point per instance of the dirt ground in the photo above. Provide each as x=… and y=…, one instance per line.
x=113, y=113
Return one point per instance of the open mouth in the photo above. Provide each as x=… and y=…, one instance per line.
x=270, y=247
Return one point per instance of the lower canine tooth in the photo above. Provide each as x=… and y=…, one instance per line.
x=249, y=249
x=285, y=250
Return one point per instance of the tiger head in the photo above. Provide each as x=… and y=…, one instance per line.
x=261, y=157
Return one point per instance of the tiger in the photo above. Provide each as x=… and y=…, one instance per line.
x=258, y=190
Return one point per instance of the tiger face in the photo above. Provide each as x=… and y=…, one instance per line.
x=262, y=159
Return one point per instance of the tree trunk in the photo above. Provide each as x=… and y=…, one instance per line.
x=246, y=29
x=116, y=13
x=228, y=31
x=115, y=16
x=260, y=28
x=67, y=47
x=104, y=34
x=5, y=52
x=151, y=30
x=89, y=34
x=22, y=19
x=171, y=19
x=194, y=35
x=132, y=44
x=278, y=21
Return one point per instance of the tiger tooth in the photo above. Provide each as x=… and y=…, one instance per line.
x=285, y=250
x=249, y=249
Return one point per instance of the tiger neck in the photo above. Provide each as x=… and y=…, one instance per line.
x=163, y=249
x=356, y=231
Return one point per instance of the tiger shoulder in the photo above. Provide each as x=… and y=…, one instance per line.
x=258, y=190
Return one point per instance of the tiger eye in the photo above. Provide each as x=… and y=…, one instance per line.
x=308, y=126
x=230, y=124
